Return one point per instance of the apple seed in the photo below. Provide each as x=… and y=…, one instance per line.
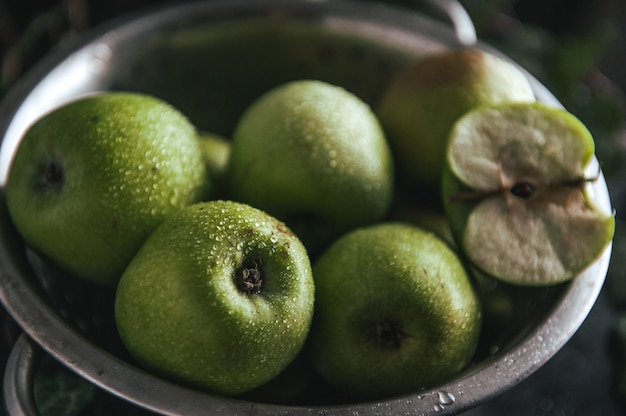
x=522, y=190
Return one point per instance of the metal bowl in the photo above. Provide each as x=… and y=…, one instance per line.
x=181, y=53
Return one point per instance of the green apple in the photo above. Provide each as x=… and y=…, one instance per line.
x=220, y=297
x=422, y=102
x=518, y=193
x=216, y=151
x=314, y=155
x=395, y=312
x=92, y=178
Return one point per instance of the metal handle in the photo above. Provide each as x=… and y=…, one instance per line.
x=456, y=14
x=19, y=375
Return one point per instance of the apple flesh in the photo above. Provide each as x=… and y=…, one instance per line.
x=518, y=193
x=91, y=180
x=395, y=312
x=220, y=297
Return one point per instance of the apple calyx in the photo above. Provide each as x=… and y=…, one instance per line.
x=53, y=176
x=250, y=276
x=387, y=334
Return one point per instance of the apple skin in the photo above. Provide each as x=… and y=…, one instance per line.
x=423, y=101
x=92, y=178
x=216, y=151
x=313, y=155
x=395, y=312
x=180, y=309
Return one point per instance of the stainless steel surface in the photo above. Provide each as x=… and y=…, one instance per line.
x=457, y=15
x=18, y=378
x=98, y=63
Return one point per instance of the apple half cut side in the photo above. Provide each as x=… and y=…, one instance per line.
x=517, y=192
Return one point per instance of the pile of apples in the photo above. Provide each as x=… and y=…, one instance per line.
x=290, y=242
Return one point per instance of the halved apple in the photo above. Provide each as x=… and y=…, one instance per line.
x=518, y=192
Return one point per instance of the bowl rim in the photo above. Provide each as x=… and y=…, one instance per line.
x=25, y=303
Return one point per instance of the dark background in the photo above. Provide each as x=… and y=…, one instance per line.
x=577, y=48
